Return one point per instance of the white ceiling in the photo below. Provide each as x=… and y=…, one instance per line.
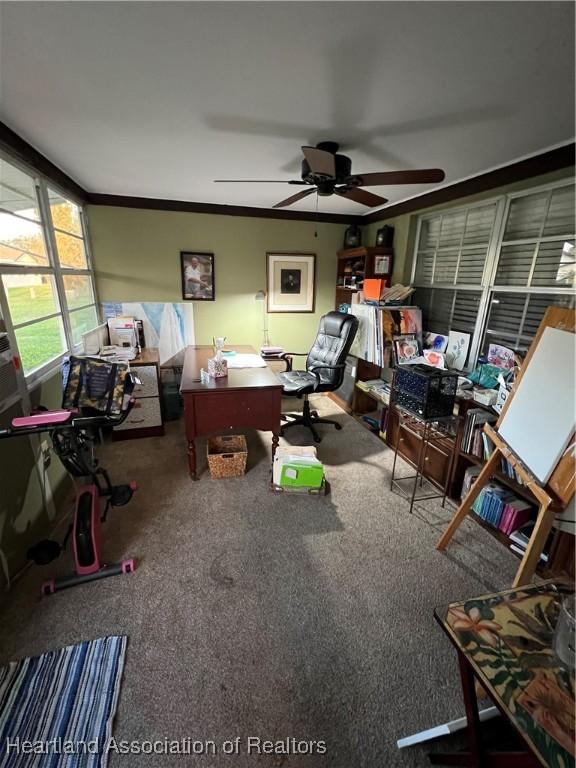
x=158, y=99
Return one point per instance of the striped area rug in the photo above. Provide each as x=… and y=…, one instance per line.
x=56, y=710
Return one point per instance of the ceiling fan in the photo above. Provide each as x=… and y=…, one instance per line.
x=326, y=172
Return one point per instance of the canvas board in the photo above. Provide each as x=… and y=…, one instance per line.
x=539, y=422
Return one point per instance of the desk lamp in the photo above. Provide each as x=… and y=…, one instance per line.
x=261, y=296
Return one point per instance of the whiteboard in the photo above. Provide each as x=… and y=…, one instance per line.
x=539, y=422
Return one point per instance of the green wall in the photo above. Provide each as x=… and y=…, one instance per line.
x=136, y=257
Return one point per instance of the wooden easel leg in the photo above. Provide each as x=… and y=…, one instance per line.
x=535, y=545
x=484, y=476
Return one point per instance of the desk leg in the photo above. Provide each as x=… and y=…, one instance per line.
x=275, y=441
x=192, y=459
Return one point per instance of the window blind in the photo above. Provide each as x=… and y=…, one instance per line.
x=457, y=253
x=452, y=247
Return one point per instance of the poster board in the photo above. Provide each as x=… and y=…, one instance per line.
x=538, y=425
x=562, y=482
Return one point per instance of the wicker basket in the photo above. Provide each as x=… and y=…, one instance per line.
x=227, y=455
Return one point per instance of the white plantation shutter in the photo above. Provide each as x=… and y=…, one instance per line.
x=453, y=246
x=445, y=309
x=470, y=279
x=513, y=318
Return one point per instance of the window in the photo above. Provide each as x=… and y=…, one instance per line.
x=492, y=269
x=46, y=284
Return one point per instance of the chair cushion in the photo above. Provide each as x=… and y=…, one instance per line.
x=296, y=383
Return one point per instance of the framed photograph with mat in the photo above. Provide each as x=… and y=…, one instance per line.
x=290, y=280
x=197, y=274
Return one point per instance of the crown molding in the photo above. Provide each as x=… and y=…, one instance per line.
x=537, y=165
x=19, y=148
x=183, y=206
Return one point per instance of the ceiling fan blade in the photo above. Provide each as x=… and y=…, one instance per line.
x=295, y=198
x=360, y=196
x=321, y=163
x=425, y=176
x=259, y=181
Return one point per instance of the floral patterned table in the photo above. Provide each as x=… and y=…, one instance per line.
x=504, y=640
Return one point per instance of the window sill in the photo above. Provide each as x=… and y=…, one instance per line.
x=41, y=375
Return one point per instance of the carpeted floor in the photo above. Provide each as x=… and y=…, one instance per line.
x=253, y=614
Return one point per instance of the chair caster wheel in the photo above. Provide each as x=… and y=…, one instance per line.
x=317, y=439
x=48, y=588
x=128, y=566
x=315, y=414
x=338, y=426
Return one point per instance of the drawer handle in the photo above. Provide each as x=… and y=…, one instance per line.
x=136, y=421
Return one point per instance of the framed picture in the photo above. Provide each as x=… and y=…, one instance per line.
x=381, y=265
x=197, y=273
x=290, y=280
x=406, y=349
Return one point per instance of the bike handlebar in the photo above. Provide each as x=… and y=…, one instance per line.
x=77, y=422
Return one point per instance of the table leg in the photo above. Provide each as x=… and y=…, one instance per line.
x=471, y=707
x=275, y=441
x=192, y=459
x=474, y=756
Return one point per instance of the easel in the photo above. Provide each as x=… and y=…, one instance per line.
x=558, y=490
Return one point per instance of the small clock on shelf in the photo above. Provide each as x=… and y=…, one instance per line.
x=352, y=237
x=385, y=237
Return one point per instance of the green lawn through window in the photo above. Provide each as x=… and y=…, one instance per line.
x=42, y=341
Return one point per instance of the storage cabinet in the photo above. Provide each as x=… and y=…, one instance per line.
x=145, y=419
x=436, y=461
x=355, y=264
x=561, y=561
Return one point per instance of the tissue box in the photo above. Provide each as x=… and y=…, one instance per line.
x=217, y=368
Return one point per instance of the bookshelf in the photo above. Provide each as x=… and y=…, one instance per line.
x=561, y=553
x=354, y=264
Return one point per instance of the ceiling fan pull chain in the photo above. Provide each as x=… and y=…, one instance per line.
x=316, y=224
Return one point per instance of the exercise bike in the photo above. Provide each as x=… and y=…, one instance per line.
x=73, y=432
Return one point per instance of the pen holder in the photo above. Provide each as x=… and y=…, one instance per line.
x=217, y=368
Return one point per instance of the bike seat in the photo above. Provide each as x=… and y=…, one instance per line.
x=43, y=419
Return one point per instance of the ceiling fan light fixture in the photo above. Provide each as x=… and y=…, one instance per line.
x=326, y=172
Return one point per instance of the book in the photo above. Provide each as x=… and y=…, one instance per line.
x=520, y=551
x=499, y=507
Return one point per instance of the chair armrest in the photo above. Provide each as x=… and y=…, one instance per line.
x=287, y=358
x=315, y=368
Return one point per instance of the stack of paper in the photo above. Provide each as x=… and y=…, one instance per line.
x=241, y=360
x=297, y=467
x=118, y=354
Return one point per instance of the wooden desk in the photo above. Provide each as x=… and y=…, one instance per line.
x=504, y=641
x=248, y=398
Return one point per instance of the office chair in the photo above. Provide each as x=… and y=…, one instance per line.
x=325, y=364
